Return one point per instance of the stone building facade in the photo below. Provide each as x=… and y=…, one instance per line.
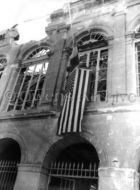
x=105, y=35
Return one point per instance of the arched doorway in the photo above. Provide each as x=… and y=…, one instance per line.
x=75, y=167
x=10, y=155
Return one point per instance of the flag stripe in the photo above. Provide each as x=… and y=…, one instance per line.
x=69, y=108
x=75, y=99
x=62, y=116
x=74, y=103
x=67, y=113
x=67, y=104
x=84, y=97
x=81, y=99
x=70, y=83
x=78, y=100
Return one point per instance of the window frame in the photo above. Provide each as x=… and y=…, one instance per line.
x=26, y=63
x=97, y=70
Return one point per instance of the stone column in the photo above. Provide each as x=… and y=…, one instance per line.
x=28, y=177
x=131, y=64
x=59, y=96
x=110, y=67
x=118, y=179
x=44, y=181
x=118, y=62
x=7, y=84
x=56, y=66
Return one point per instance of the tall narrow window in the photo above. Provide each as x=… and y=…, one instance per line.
x=30, y=80
x=94, y=54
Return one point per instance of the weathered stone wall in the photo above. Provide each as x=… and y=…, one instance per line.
x=111, y=127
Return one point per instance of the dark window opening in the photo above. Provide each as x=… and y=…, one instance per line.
x=10, y=156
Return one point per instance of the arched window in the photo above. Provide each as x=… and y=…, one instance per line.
x=30, y=79
x=37, y=53
x=93, y=53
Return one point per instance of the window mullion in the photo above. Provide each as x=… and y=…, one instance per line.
x=19, y=93
x=88, y=59
x=28, y=88
x=37, y=85
x=97, y=75
x=42, y=85
x=11, y=95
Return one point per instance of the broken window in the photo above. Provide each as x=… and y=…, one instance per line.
x=30, y=80
x=3, y=63
x=38, y=52
x=94, y=55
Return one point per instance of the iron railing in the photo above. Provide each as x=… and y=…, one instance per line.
x=74, y=170
x=8, y=173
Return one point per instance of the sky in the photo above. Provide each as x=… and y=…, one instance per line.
x=30, y=15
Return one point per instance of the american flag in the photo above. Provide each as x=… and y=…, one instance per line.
x=74, y=103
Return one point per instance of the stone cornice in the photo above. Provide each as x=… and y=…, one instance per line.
x=78, y=9
x=96, y=110
x=27, y=115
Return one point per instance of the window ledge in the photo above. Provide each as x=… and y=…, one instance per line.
x=105, y=107
x=27, y=114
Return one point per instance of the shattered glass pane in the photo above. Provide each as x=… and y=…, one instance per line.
x=98, y=61
x=93, y=59
x=38, y=52
x=83, y=60
x=28, y=89
x=91, y=87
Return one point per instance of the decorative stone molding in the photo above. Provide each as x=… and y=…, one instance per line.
x=8, y=36
x=29, y=167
